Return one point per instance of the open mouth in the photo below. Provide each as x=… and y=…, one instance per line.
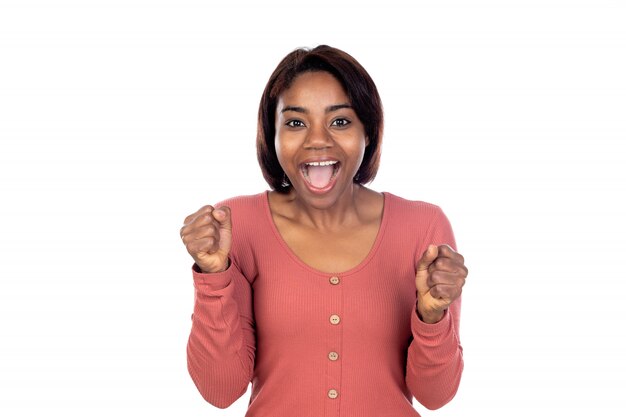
x=320, y=174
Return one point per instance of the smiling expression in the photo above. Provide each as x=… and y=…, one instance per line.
x=316, y=127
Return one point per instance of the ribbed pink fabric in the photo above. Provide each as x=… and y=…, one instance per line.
x=267, y=320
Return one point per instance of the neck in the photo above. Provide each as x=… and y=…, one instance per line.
x=331, y=215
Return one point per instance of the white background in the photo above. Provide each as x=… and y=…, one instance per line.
x=119, y=118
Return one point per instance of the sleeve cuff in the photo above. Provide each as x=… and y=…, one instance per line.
x=214, y=281
x=420, y=328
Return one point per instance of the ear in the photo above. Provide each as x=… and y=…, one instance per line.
x=367, y=141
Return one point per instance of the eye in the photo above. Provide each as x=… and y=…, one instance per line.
x=341, y=122
x=295, y=123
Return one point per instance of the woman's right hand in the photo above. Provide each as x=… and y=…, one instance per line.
x=207, y=234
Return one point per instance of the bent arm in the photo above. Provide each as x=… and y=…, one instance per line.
x=221, y=346
x=435, y=355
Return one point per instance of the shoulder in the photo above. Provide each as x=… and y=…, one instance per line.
x=247, y=216
x=421, y=218
x=244, y=209
x=413, y=210
x=243, y=203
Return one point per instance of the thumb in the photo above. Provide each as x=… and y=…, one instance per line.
x=421, y=275
x=223, y=216
x=430, y=254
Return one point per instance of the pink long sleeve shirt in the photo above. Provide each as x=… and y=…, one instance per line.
x=315, y=344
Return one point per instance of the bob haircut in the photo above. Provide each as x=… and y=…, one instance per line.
x=359, y=88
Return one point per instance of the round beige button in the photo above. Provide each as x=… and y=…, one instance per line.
x=333, y=393
x=334, y=319
x=333, y=356
x=334, y=280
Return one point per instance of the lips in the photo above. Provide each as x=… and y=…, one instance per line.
x=320, y=175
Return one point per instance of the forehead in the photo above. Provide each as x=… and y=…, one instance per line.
x=313, y=87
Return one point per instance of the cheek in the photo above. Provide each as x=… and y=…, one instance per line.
x=283, y=150
x=360, y=160
x=277, y=146
x=358, y=146
x=278, y=143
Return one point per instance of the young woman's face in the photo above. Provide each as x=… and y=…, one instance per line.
x=319, y=140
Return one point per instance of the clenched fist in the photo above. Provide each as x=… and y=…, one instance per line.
x=439, y=279
x=207, y=234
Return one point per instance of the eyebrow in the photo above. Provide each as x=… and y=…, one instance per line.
x=329, y=109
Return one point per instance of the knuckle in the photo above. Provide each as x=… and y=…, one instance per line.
x=213, y=242
x=445, y=292
x=436, y=291
x=202, y=210
x=186, y=238
x=430, y=281
x=190, y=219
x=199, y=247
x=192, y=248
x=209, y=231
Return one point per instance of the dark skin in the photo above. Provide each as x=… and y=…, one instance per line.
x=332, y=231
x=440, y=277
x=334, y=249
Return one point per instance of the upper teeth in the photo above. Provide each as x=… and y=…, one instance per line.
x=321, y=163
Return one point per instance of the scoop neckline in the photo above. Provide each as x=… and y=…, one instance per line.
x=309, y=268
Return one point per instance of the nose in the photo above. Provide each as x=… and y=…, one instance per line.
x=318, y=137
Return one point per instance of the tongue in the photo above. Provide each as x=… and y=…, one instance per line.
x=320, y=175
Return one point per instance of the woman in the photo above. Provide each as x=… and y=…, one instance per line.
x=331, y=298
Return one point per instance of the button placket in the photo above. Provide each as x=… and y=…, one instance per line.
x=333, y=373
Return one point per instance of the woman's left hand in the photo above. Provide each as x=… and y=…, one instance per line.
x=439, y=280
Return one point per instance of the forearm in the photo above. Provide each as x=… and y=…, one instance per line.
x=220, y=350
x=435, y=359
